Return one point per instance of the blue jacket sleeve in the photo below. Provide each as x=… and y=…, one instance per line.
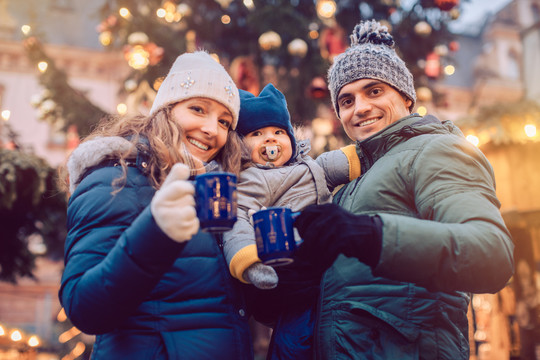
x=114, y=253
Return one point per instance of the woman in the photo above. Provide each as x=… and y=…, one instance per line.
x=138, y=272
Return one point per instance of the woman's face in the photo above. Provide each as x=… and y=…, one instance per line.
x=205, y=124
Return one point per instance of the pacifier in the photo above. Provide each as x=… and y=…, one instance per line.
x=272, y=152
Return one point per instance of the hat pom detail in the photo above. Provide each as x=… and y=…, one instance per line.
x=371, y=32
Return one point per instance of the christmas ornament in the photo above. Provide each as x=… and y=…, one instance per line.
x=433, y=65
x=270, y=40
x=446, y=5
x=422, y=28
x=297, y=47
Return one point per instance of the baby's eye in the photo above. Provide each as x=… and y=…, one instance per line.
x=280, y=132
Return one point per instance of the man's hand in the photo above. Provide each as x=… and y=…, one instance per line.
x=173, y=205
x=328, y=230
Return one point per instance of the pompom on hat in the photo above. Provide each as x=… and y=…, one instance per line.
x=370, y=56
x=267, y=109
x=197, y=74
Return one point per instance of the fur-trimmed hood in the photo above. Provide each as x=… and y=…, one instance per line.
x=93, y=152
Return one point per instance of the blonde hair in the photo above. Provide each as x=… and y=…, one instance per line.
x=164, y=147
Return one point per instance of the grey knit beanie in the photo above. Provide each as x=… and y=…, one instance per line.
x=370, y=56
x=198, y=75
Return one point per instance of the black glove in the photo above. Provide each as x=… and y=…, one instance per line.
x=328, y=230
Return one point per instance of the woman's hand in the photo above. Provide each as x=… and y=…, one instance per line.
x=173, y=205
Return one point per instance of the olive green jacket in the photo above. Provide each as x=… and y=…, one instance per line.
x=443, y=237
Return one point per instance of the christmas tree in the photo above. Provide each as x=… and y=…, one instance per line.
x=290, y=43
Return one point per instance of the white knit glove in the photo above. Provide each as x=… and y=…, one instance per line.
x=173, y=205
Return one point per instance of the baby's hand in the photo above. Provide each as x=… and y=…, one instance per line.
x=262, y=276
x=173, y=205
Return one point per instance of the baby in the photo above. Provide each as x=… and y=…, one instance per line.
x=278, y=173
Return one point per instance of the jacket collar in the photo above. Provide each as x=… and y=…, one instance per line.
x=371, y=149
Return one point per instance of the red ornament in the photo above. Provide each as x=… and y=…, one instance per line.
x=453, y=45
x=446, y=5
x=433, y=65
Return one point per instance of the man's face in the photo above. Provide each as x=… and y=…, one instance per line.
x=367, y=106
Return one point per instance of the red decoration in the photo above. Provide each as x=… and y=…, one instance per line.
x=318, y=88
x=332, y=42
x=446, y=5
x=453, y=46
x=433, y=65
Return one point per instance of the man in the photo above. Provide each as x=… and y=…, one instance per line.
x=410, y=238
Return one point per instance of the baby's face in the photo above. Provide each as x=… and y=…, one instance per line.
x=269, y=144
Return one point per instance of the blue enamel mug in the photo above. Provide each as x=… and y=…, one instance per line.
x=216, y=201
x=274, y=234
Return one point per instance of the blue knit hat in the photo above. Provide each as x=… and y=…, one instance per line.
x=267, y=109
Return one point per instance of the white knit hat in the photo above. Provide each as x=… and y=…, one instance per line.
x=198, y=75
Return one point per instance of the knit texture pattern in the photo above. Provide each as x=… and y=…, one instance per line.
x=267, y=109
x=370, y=56
x=198, y=75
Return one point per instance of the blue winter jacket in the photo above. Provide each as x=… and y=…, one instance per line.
x=144, y=295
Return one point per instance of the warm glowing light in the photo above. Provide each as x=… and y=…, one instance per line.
x=139, y=58
x=530, y=130
x=33, y=341
x=124, y=12
x=105, y=38
x=422, y=110
x=326, y=8
x=314, y=34
x=269, y=40
x=42, y=66
x=226, y=19
x=68, y=335
x=121, y=108
x=26, y=29
x=61, y=317
x=2, y=331
x=5, y=116
x=473, y=140
x=215, y=57
x=449, y=69
x=78, y=350
x=249, y=4
x=161, y=13
x=16, y=335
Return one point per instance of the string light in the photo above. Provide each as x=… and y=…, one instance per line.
x=326, y=8
x=121, y=108
x=33, y=341
x=226, y=19
x=530, y=130
x=61, y=317
x=421, y=110
x=16, y=335
x=42, y=66
x=68, y=335
x=249, y=4
x=2, y=331
x=449, y=69
x=26, y=29
x=124, y=12
x=6, y=115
